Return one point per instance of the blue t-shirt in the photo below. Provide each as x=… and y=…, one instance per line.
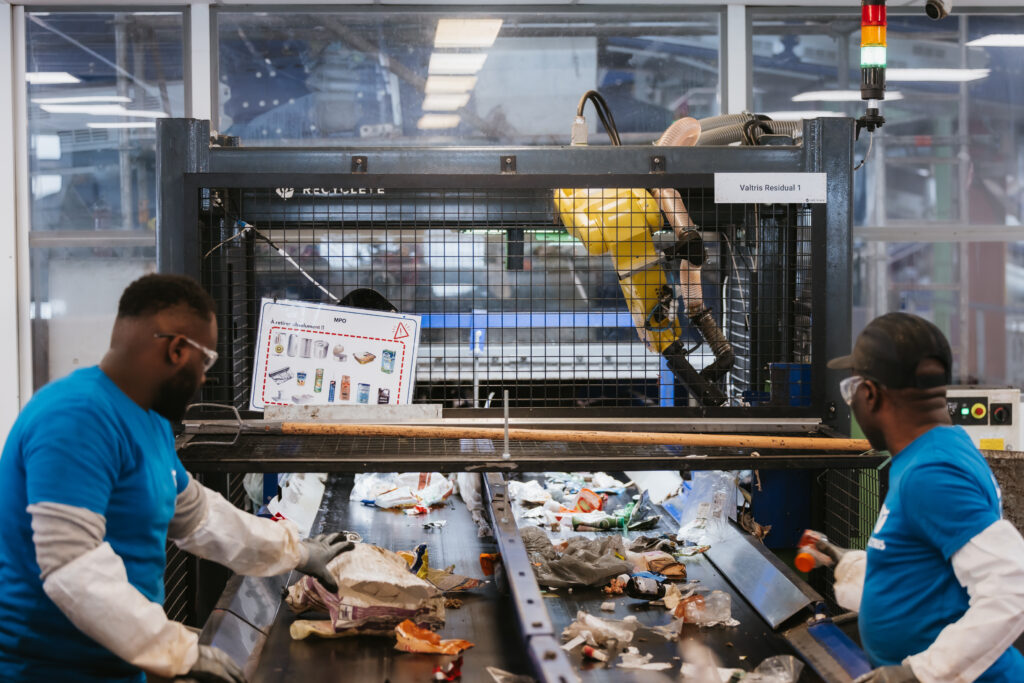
x=81, y=441
x=941, y=495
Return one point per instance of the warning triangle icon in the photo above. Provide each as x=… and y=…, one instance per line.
x=401, y=332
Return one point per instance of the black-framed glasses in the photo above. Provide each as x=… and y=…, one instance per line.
x=209, y=355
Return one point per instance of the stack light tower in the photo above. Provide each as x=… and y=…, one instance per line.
x=872, y=62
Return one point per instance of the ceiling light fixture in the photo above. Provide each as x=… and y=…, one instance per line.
x=999, y=40
x=839, y=96
x=456, y=63
x=449, y=84
x=101, y=110
x=936, y=75
x=84, y=99
x=450, y=102
x=467, y=32
x=438, y=121
x=50, y=78
x=118, y=124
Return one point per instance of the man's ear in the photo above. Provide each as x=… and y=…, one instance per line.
x=176, y=354
x=872, y=395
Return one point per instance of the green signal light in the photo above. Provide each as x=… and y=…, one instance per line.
x=872, y=56
x=965, y=411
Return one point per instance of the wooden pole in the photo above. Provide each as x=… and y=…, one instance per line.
x=795, y=443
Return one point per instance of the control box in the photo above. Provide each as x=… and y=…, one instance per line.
x=989, y=415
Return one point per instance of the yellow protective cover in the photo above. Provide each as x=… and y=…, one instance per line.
x=620, y=221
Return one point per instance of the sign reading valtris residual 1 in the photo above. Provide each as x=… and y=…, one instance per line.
x=315, y=354
x=771, y=188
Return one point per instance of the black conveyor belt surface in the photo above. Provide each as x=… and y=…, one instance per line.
x=753, y=639
x=486, y=618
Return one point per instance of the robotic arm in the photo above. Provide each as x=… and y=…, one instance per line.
x=621, y=222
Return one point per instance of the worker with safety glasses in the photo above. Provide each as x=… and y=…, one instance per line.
x=91, y=488
x=940, y=589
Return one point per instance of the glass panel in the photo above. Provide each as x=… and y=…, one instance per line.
x=402, y=78
x=97, y=82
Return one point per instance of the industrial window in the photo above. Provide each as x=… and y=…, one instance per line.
x=461, y=77
x=97, y=81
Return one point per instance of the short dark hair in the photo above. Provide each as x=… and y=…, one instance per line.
x=153, y=293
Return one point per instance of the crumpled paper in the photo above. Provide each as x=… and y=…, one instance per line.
x=596, y=631
x=412, y=638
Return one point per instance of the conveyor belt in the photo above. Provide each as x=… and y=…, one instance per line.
x=486, y=618
x=742, y=646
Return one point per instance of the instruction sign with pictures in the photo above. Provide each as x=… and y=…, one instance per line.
x=771, y=188
x=316, y=354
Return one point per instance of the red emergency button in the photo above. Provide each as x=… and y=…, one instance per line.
x=978, y=411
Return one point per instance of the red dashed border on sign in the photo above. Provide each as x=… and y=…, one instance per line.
x=266, y=360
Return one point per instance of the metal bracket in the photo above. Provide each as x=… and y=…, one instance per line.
x=360, y=164
x=551, y=664
x=508, y=164
x=238, y=426
x=658, y=164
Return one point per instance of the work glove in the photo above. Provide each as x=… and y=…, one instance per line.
x=321, y=549
x=889, y=674
x=830, y=549
x=213, y=666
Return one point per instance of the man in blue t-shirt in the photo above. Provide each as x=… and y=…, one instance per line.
x=940, y=589
x=91, y=488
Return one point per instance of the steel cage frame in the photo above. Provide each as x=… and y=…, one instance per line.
x=188, y=163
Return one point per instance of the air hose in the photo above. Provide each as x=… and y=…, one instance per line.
x=728, y=134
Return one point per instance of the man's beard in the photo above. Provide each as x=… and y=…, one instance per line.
x=175, y=395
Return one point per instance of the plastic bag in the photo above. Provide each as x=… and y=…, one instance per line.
x=777, y=669
x=582, y=562
x=707, y=507
x=531, y=492
x=376, y=592
x=408, y=489
x=371, y=484
x=596, y=631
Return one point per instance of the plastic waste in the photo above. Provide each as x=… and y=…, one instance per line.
x=412, y=638
x=707, y=507
x=470, y=487
x=405, y=490
x=580, y=562
x=808, y=556
x=531, y=492
x=707, y=610
x=376, y=592
x=777, y=669
x=632, y=659
x=643, y=588
x=501, y=676
x=597, y=632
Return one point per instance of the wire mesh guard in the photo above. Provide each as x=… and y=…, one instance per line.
x=565, y=297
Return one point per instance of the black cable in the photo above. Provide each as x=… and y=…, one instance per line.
x=604, y=113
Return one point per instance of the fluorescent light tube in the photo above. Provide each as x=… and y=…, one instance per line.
x=456, y=63
x=438, y=121
x=467, y=32
x=101, y=110
x=117, y=124
x=999, y=40
x=50, y=78
x=451, y=102
x=449, y=84
x=840, y=96
x=935, y=75
x=83, y=99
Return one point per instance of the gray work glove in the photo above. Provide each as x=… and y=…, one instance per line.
x=321, y=549
x=830, y=549
x=213, y=666
x=889, y=674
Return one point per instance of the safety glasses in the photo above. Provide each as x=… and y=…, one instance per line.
x=848, y=387
x=209, y=355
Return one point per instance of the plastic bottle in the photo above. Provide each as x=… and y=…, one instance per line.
x=808, y=557
x=644, y=588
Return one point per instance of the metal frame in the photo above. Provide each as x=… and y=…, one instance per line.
x=187, y=163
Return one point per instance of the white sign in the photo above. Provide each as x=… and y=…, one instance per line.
x=771, y=188
x=315, y=354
